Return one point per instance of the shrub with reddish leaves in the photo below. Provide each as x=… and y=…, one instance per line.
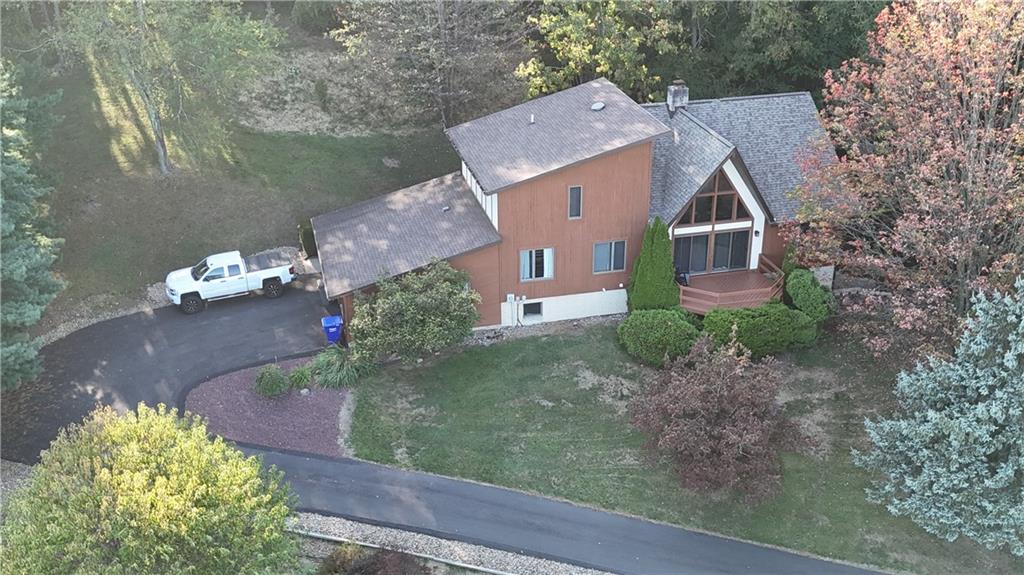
x=713, y=414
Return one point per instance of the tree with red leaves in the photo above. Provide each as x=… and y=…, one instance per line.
x=713, y=414
x=928, y=193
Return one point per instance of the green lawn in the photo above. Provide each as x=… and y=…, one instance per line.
x=546, y=415
x=126, y=227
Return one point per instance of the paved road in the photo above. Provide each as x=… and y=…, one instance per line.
x=155, y=357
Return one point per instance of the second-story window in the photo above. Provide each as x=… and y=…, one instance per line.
x=575, y=202
x=537, y=264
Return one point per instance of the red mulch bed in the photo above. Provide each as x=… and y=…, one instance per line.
x=235, y=411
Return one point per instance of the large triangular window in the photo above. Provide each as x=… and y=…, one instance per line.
x=715, y=203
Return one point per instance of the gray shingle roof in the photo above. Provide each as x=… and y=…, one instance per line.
x=504, y=148
x=770, y=132
x=683, y=160
x=399, y=232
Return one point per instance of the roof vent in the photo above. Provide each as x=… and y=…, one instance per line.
x=597, y=106
x=446, y=209
x=531, y=118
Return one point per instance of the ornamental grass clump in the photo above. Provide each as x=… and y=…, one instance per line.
x=271, y=381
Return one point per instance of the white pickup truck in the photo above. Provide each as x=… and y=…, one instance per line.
x=228, y=275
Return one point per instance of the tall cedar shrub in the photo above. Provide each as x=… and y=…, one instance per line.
x=713, y=414
x=147, y=492
x=417, y=314
x=763, y=330
x=952, y=456
x=653, y=283
x=809, y=296
x=652, y=335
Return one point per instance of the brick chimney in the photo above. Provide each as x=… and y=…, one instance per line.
x=678, y=96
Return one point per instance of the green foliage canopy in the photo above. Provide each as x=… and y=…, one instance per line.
x=953, y=455
x=27, y=252
x=416, y=314
x=147, y=492
x=763, y=330
x=185, y=61
x=652, y=285
x=808, y=295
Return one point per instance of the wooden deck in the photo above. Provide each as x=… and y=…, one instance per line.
x=742, y=288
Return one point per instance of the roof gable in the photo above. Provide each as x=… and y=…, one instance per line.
x=769, y=134
x=506, y=148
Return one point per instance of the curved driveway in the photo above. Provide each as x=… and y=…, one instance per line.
x=156, y=357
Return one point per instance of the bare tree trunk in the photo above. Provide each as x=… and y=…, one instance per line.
x=155, y=121
x=695, y=35
x=59, y=26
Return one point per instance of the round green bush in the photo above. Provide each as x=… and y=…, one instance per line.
x=651, y=335
x=300, y=377
x=809, y=296
x=763, y=330
x=271, y=381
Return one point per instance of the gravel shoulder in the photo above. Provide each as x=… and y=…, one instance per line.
x=464, y=554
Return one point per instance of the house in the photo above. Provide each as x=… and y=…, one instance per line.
x=549, y=208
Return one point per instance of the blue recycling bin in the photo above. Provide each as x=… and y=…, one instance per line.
x=332, y=325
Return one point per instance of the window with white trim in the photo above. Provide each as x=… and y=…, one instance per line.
x=533, y=309
x=609, y=256
x=537, y=264
x=575, y=202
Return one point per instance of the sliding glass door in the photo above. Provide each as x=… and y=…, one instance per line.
x=722, y=250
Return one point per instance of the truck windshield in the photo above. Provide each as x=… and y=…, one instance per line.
x=200, y=269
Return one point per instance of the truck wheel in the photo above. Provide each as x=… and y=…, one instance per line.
x=273, y=288
x=191, y=304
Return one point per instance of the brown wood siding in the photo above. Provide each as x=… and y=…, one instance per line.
x=483, y=267
x=772, y=245
x=535, y=214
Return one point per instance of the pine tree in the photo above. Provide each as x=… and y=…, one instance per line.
x=953, y=455
x=653, y=282
x=27, y=283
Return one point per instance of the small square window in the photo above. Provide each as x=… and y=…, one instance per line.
x=532, y=309
x=537, y=264
x=702, y=209
x=575, y=202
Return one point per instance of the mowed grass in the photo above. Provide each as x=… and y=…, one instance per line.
x=126, y=226
x=545, y=414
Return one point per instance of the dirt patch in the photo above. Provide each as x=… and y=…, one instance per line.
x=812, y=389
x=309, y=422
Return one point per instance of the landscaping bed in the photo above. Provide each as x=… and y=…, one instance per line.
x=549, y=414
x=313, y=420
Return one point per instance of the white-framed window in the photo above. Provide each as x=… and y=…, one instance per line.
x=609, y=256
x=538, y=264
x=575, y=202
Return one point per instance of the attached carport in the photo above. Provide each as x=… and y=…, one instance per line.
x=397, y=233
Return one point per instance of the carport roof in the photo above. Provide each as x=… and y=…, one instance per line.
x=399, y=232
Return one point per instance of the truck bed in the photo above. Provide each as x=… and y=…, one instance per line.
x=266, y=261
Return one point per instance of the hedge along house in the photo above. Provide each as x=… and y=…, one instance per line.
x=549, y=208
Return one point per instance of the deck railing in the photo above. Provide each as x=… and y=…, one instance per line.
x=700, y=301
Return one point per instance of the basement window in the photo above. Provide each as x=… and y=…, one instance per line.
x=532, y=309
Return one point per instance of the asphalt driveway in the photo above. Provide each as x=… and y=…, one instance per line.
x=152, y=358
x=156, y=357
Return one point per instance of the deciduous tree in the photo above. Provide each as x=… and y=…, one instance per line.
x=581, y=41
x=713, y=415
x=952, y=456
x=27, y=251
x=417, y=314
x=147, y=492
x=183, y=60
x=453, y=59
x=928, y=193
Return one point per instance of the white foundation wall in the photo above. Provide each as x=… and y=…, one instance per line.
x=565, y=307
